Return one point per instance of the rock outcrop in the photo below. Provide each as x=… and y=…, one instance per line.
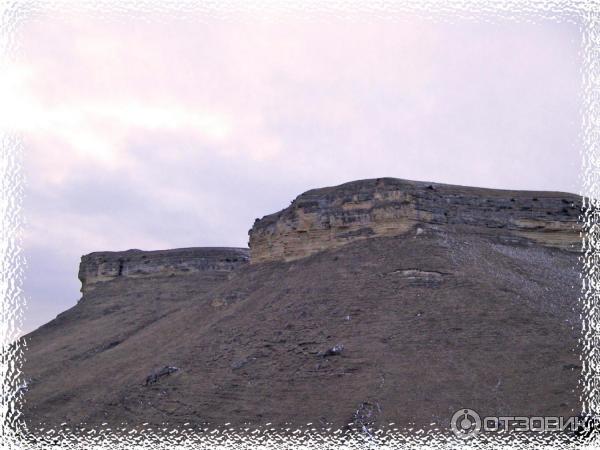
x=99, y=267
x=334, y=216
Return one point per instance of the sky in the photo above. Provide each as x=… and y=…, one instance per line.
x=166, y=133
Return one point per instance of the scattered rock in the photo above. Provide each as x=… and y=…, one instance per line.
x=365, y=416
x=333, y=351
x=419, y=274
x=241, y=363
x=218, y=303
x=158, y=374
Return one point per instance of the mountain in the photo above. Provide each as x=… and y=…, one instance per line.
x=376, y=301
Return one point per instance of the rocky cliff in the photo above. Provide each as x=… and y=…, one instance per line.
x=100, y=267
x=331, y=217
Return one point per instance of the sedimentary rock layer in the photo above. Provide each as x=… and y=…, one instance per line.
x=330, y=217
x=105, y=266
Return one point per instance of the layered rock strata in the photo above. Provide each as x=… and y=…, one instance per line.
x=334, y=216
x=100, y=267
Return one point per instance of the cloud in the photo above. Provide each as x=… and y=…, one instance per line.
x=166, y=133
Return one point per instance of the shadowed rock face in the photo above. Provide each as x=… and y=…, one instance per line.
x=396, y=300
x=100, y=267
x=331, y=217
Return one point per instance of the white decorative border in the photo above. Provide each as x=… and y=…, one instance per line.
x=585, y=13
x=590, y=298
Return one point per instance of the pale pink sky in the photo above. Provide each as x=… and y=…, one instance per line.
x=163, y=133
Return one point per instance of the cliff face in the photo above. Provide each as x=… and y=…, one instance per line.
x=331, y=217
x=100, y=267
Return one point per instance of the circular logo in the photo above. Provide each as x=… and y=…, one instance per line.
x=465, y=423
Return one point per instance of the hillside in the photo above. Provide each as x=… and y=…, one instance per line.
x=378, y=300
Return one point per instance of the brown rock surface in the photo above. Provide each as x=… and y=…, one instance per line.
x=334, y=216
x=457, y=297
